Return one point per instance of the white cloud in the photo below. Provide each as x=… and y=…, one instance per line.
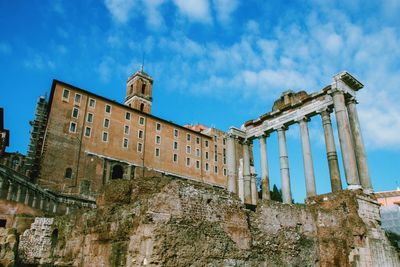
x=195, y=10
x=39, y=62
x=154, y=16
x=121, y=9
x=224, y=9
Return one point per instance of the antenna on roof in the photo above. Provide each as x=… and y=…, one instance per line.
x=142, y=68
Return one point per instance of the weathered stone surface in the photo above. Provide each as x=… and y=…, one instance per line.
x=8, y=246
x=170, y=222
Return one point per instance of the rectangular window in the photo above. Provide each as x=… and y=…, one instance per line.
x=215, y=157
x=206, y=154
x=141, y=120
x=197, y=152
x=157, y=152
x=206, y=143
x=215, y=148
x=198, y=164
x=90, y=117
x=72, y=127
x=65, y=95
x=224, y=141
x=188, y=162
x=77, y=98
x=176, y=133
x=197, y=140
x=215, y=138
x=206, y=166
x=140, y=134
x=216, y=169
x=188, y=150
x=175, y=158
x=188, y=137
x=106, y=123
x=75, y=113
x=158, y=139
x=125, y=143
x=108, y=108
x=92, y=103
x=224, y=160
x=175, y=145
x=126, y=129
x=105, y=137
x=88, y=131
x=158, y=127
x=128, y=116
x=224, y=172
x=139, y=147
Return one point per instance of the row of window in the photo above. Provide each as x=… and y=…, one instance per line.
x=106, y=124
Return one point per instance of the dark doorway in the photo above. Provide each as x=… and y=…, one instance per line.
x=3, y=223
x=117, y=172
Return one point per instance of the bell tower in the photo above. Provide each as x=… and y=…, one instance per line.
x=139, y=91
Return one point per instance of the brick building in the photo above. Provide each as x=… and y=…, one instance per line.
x=89, y=140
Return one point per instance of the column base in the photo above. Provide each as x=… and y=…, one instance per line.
x=368, y=191
x=354, y=187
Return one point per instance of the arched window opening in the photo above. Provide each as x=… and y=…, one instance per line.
x=131, y=90
x=68, y=173
x=141, y=106
x=117, y=172
x=143, y=88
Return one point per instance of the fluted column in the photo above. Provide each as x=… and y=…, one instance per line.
x=307, y=158
x=246, y=173
x=359, y=148
x=346, y=145
x=284, y=165
x=264, y=168
x=231, y=163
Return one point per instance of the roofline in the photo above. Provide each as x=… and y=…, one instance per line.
x=55, y=81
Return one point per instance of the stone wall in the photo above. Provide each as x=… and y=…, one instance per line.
x=161, y=221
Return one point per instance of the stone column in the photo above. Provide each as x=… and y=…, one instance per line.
x=359, y=148
x=346, y=145
x=41, y=202
x=231, y=163
x=34, y=201
x=284, y=164
x=1, y=186
x=26, y=201
x=307, y=158
x=333, y=164
x=18, y=198
x=246, y=173
x=264, y=168
x=254, y=192
x=9, y=192
x=54, y=206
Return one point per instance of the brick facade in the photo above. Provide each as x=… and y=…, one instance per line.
x=90, y=140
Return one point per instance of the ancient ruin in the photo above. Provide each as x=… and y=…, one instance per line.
x=110, y=184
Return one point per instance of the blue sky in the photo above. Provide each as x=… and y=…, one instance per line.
x=218, y=62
